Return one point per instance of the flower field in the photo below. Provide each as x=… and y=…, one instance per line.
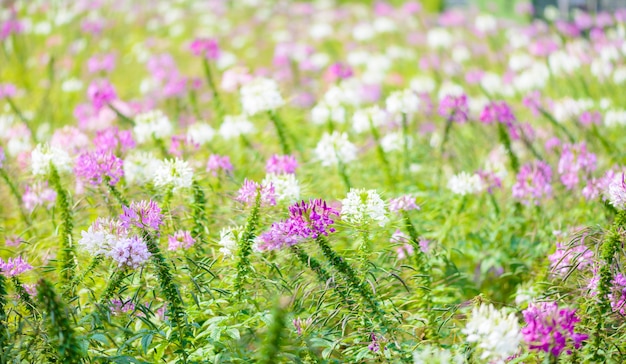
x=260, y=181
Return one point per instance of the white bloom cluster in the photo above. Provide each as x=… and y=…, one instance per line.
x=450, y=89
x=140, y=167
x=363, y=206
x=363, y=117
x=429, y=354
x=394, y=141
x=173, y=172
x=403, y=102
x=228, y=241
x=486, y=23
x=285, y=185
x=616, y=192
x=422, y=84
x=465, y=184
x=235, y=126
x=439, y=38
x=200, y=133
x=324, y=112
x=43, y=155
x=261, y=94
x=615, y=117
x=561, y=62
x=334, y=148
x=497, y=334
x=534, y=77
x=152, y=124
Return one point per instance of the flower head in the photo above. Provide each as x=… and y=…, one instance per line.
x=101, y=93
x=455, y=108
x=44, y=155
x=14, y=266
x=94, y=167
x=180, y=239
x=616, y=192
x=362, y=207
x=207, y=48
x=403, y=203
x=403, y=102
x=250, y=189
x=335, y=148
x=533, y=182
x=143, y=214
x=259, y=95
x=130, y=252
x=175, y=173
x=281, y=164
x=497, y=334
x=38, y=194
x=465, y=184
x=217, y=163
x=550, y=328
x=152, y=124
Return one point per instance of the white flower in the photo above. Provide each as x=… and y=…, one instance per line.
x=363, y=32
x=439, y=38
x=72, y=85
x=561, y=62
x=286, y=186
x=95, y=242
x=405, y=102
x=616, y=192
x=450, y=89
x=615, y=117
x=140, y=167
x=394, y=142
x=334, y=148
x=200, y=133
x=485, y=23
x=228, y=241
x=428, y=354
x=422, y=84
x=235, y=126
x=363, y=206
x=520, y=61
x=363, y=117
x=322, y=113
x=261, y=94
x=465, y=184
x=173, y=172
x=152, y=124
x=497, y=334
x=43, y=155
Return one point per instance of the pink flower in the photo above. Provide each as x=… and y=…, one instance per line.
x=248, y=193
x=7, y=90
x=14, y=266
x=403, y=203
x=101, y=63
x=281, y=164
x=94, y=167
x=533, y=183
x=219, y=163
x=204, y=47
x=142, y=214
x=180, y=239
x=101, y=93
x=38, y=194
x=130, y=252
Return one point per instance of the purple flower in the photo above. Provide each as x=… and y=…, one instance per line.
x=38, y=194
x=282, y=234
x=338, y=71
x=180, y=239
x=142, y=214
x=110, y=138
x=374, y=345
x=314, y=218
x=533, y=182
x=101, y=63
x=618, y=297
x=248, y=193
x=7, y=90
x=565, y=258
x=14, y=266
x=204, y=47
x=551, y=329
x=455, y=108
x=2, y=157
x=500, y=111
x=11, y=26
x=403, y=203
x=101, y=93
x=575, y=159
x=119, y=307
x=218, y=163
x=93, y=167
x=130, y=252
x=281, y=164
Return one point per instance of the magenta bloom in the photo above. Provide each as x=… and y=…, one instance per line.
x=93, y=167
x=500, y=111
x=339, y=71
x=207, y=48
x=281, y=164
x=551, y=329
x=248, y=193
x=618, y=297
x=142, y=214
x=566, y=258
x=180, y=239
x=533, y=183
x=38, y=194
x=455, y=108
x=110, y=138
x=307, y=220
x=101, y=93
x=575, y=159
x=14, y=266
x=11, y=26
x=7, y=90
x=403, y=203
x=101, y=63
x=119, y=307
x=218, y=163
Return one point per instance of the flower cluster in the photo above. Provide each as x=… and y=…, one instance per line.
x=175, y=173
x=575, y=159
x=281, y=164
x=497, y=334
x=335, y=148
x=248, y=192
x=403, y=203
x=38, y=194
x=465, y=184
x=551, y=329
x=455, y=108
x=143, y=214
x=44, y=155
x=361, y=207
x=152, y=124
x=533, y=182
x=14, y=266
x=181, y=239
x=218, y=163
x=307, y=220
x=94, y=167
x=207, y=48
x=259, y=95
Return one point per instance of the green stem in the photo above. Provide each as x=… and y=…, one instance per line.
x=556, y=124
x=198, y=211
x=405, y=133
x=381, y=154
x=115, y=192
x=67, y=254
x=95, y=262
x=22, y=118
x=506, y=141
x=113, y=286
x=271, y=347
x=219, y=109
x=245, y=248
x=280, y=129
x=16, y=194
x=24, y=296
x=343, y=174
x=121, y=115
